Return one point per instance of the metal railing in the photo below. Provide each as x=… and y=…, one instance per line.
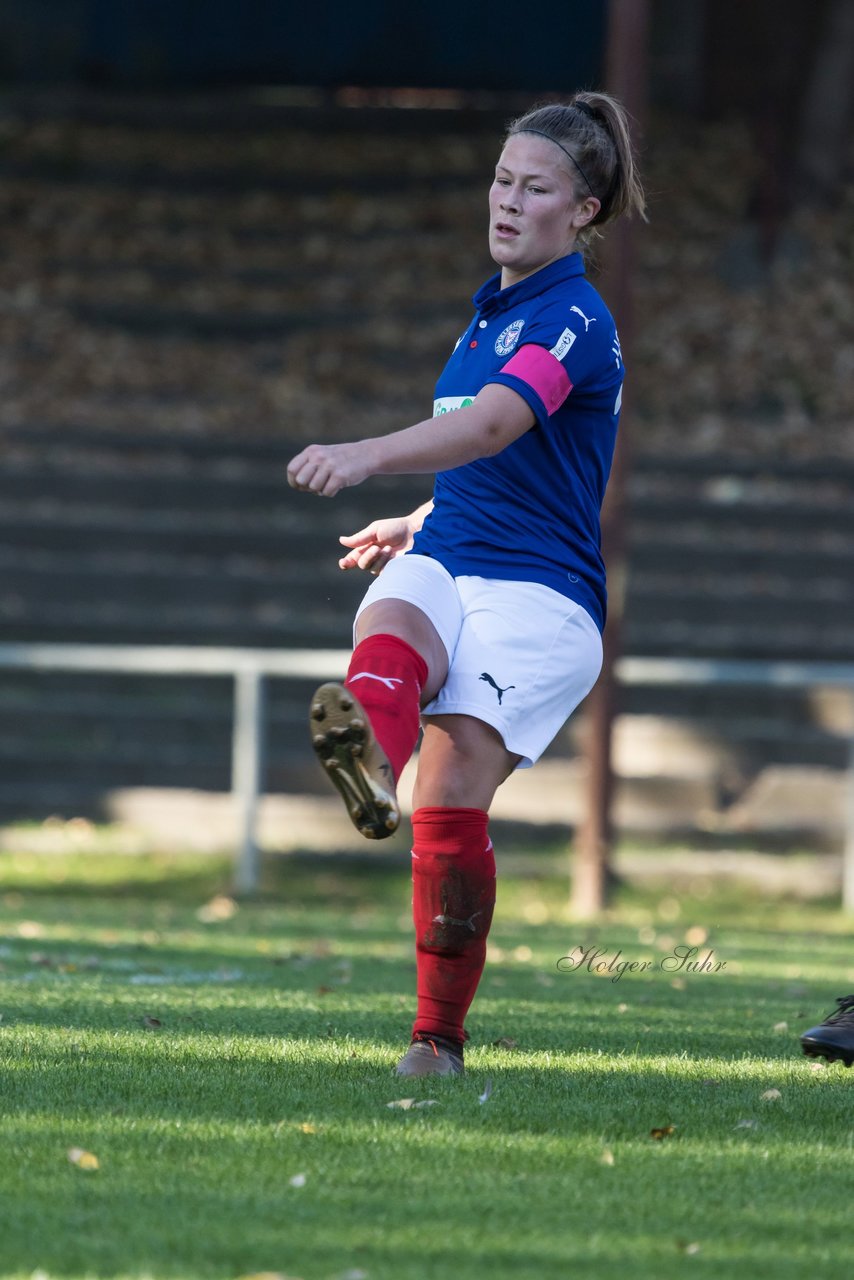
x=250, y=669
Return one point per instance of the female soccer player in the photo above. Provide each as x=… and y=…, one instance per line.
x=486, y=622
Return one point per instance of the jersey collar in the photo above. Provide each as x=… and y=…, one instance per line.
x=491, y=298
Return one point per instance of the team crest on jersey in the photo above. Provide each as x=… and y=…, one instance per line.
x=506, y=341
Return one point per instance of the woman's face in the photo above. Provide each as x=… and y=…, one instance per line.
x=534, y=216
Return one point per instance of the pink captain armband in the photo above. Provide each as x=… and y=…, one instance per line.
x=543, y=373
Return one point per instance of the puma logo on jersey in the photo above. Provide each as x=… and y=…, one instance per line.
x=388, y=681
x=588, y=320
x=489, y=680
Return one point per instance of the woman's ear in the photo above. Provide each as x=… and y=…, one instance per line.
x=585, y=212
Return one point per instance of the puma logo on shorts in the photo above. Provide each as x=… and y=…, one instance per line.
x=489, y=680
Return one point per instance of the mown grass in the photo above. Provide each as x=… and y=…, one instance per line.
x=231, y=1074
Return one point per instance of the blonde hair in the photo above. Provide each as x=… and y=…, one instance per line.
x=593, y=130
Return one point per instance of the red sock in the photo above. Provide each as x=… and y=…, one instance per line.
x=453, y=880
x=387, y=675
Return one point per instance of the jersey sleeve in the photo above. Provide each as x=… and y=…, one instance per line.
x=563, y=348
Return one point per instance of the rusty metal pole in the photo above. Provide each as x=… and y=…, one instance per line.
x=626, y=75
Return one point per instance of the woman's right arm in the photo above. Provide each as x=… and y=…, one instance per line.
x=372, y=547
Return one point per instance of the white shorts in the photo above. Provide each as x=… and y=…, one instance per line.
x=521, y=657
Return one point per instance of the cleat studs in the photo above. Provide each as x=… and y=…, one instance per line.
x=345, y=703
x=319, y=739
x=332, y=765
x=390, y=824
x=318, y=711
x=356, y=750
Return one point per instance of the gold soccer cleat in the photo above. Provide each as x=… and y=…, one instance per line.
x=355, y=763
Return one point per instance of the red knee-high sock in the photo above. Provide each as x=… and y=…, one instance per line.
x=453, y=880
x=387, y=675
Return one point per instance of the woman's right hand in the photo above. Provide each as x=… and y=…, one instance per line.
x=372, y=547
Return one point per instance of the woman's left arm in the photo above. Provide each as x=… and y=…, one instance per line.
x=496, y=418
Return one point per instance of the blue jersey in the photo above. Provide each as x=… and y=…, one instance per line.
x=531, y=512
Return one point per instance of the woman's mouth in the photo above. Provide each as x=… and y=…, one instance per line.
x=504, y=231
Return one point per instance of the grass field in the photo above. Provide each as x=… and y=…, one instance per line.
x=229, y=1068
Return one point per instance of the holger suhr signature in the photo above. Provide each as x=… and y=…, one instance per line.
x=682, y=959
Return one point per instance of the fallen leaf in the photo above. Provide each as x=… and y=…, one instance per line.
x=410, y=1104
x=688, y=1246
x=298, y=1180
x=83, y=1159
x=746, y=1124
x=666, y=1131
x=678, y=984
x=218, y=909
x=607, y=1157
x=505, y=1042
x=622, y=1008
x=324, y=991
x=487, y=1093
x=708, y=1083
x=30, y=929
x=816, y=1066
x=781, y=1026
x=307, y=1128
x=771, y=1095
x=267, y=1275
x=151, y=1022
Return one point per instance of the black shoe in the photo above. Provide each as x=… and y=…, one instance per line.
x=833, y=1039
x=354, y=761
x=431, y=1056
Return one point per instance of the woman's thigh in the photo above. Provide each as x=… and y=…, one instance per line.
x=415, y=599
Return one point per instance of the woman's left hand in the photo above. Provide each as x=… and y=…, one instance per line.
x=326, y=469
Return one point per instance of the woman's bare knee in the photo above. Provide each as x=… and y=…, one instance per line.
x=462, y=763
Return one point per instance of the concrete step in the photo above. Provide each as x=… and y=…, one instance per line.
x=270, y=626
x=675, y=637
